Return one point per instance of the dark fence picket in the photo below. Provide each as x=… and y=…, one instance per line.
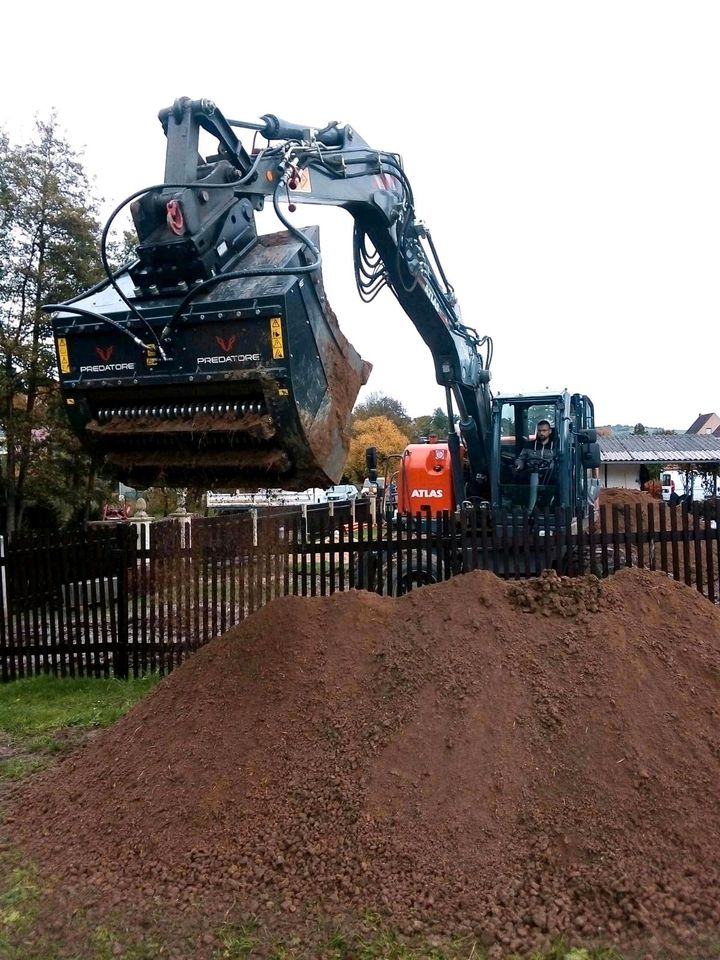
x=651, y=539
x=685, y=516
x=708, y=538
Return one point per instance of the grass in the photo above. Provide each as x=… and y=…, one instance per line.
x=41, y=705
x=19, y=894
x=41, y=717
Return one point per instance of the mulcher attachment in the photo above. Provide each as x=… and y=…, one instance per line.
x=257, y=390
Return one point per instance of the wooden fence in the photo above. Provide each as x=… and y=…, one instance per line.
x=112, y=600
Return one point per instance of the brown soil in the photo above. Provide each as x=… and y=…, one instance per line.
x=617, y=496
x=513, y=761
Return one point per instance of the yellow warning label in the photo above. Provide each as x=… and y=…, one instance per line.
x=278, y=351
x=63, y=355
x=283, y=392
x=70, y=401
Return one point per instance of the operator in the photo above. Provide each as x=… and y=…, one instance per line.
x=540, y=451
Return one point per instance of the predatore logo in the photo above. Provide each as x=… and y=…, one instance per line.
x=226, y=345
x=233, y=358
x=426, y=494
x=107, y=367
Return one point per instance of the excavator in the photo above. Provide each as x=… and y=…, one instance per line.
x=213, y=358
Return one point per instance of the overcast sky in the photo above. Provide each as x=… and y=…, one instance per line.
x=566, y=156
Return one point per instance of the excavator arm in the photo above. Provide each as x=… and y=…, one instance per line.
x=214, y=358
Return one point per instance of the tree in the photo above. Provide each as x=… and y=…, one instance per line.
x=381, y=405
x=639, y=430
x=378, y=432
x=49, y=241
x=434, y=424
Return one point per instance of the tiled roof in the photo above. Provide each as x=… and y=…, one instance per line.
x=659, y=448
x=697, y=426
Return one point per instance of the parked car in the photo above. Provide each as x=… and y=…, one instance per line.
x=342, y=491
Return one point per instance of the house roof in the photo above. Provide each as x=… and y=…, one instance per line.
x=701, y=421
x=658, y=448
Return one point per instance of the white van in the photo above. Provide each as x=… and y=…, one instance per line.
x=673, y=481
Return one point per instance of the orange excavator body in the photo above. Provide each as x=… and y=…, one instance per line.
x=425, y=479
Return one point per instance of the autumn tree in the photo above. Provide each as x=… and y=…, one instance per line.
x=378, y=432
x=49, y=240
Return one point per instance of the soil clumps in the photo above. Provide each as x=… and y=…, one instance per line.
x=517, y=762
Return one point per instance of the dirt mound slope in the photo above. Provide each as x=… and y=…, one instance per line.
x=610, y=496
x=472, y=757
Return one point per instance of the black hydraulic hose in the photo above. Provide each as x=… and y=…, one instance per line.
x=162, y=186
x=100, y=317
x=100, y=285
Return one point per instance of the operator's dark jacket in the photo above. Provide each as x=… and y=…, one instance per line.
x=535, y=450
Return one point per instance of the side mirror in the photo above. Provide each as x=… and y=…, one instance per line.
x=371, y=461
x=588, y=436
x=590, y=455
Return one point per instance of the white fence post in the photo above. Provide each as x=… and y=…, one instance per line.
x=141, y=519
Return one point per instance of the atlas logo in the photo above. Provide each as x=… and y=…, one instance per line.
x=226, y=345
x=427, y=494
x=104, y=353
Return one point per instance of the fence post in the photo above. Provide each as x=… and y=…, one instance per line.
x=120, y=659
x=140, y=519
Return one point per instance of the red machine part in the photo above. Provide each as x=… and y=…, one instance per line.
x=425, y=479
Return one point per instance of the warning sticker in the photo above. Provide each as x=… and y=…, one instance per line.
x=303, y=183
x=63, y=355
x=278, y=351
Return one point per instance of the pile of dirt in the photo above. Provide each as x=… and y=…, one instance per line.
x=618, y=496
x=447, y=759
x=549, y=594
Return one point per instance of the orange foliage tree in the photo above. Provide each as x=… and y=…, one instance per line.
x=378, y=432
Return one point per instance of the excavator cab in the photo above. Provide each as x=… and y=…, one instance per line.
x=535, y=478
x=214, y=359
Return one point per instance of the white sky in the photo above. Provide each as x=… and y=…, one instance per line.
x=566, y=156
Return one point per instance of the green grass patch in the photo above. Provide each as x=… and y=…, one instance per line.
x=18, y=899
x=110, y=944
x=238, y=941
x=40, y=705
x=16, y=768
